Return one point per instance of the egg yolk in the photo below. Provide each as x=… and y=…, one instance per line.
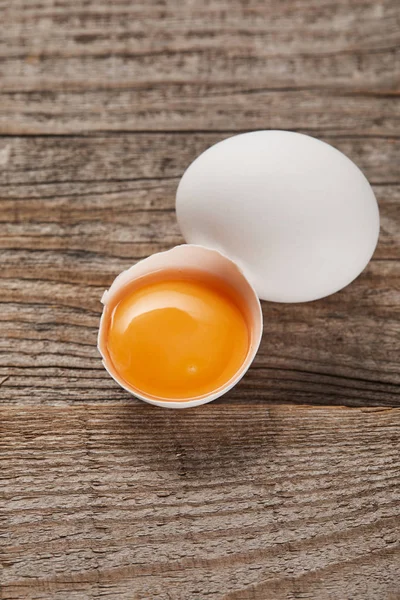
x=177, y=339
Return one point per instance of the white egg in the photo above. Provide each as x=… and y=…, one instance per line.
x=294, y=213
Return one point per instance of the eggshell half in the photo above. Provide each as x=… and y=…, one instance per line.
x=190, y=257
x=294, y=213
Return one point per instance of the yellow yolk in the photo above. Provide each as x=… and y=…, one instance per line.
x=177, y=338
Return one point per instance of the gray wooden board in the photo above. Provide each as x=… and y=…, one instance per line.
x=257, y=496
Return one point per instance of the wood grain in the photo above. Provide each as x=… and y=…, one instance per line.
x=139, y=502
x=82, y=66
x=256, y=496
x=76, y=211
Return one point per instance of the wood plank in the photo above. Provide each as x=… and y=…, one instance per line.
x=130, y=501
x=75, y=211
x=201, y=106
x=50, y=161
x=320, y=66
x=341, y=350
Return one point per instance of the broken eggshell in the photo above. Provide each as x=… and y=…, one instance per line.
x=193, y=258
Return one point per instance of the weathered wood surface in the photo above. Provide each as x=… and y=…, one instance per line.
x=223, y=502
x=75, y=211
x=102, y=106
x=73, y=66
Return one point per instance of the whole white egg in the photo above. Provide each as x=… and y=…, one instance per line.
x=297, y=215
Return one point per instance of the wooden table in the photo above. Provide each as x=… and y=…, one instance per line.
x=289, y=486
